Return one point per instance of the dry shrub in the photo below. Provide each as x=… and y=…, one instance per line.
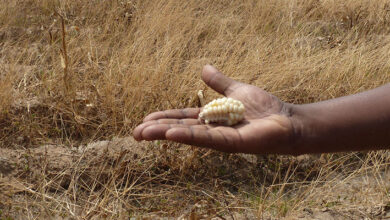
x=129, y=58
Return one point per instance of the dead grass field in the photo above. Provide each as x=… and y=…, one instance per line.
x=69, y=101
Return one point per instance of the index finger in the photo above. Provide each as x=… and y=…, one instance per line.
x=174, y=113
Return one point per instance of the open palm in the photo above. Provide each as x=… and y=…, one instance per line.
x=267, y=127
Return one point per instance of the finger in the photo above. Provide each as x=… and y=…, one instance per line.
x=174, y=113
x=158, y=131
x=137, y=132
x=211, y=138
x=185, y=121
x=217, y=81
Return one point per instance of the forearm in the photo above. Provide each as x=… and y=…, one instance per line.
x=357, y=122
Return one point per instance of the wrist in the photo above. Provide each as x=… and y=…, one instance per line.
x=297, y=123
x=303, y=128
x=314, y=130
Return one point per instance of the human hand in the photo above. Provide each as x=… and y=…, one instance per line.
x=267, y=127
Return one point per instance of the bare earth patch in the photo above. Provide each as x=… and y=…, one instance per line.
x=121, y=178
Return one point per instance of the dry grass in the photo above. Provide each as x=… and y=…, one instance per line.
x=125, y=59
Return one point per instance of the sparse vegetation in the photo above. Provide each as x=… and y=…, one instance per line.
x=71, y=94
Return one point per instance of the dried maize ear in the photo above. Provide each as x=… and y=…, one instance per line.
x=226, y=111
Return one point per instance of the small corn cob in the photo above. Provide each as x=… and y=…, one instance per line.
x=226, y=111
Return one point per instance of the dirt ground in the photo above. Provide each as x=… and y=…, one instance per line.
x=64, y=182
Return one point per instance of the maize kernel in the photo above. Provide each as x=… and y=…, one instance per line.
x=226, y=111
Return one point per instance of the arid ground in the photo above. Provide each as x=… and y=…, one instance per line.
x=77, y=76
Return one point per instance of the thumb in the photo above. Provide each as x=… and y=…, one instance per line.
x=217, y=81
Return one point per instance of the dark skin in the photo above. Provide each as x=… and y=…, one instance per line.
x=357, y=122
